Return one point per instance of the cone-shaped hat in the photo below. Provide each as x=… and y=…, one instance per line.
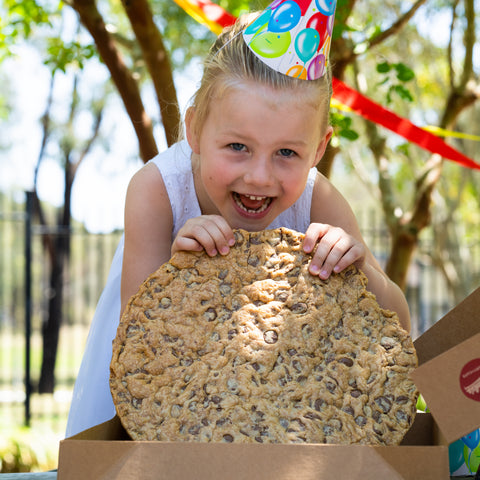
x=293, y=36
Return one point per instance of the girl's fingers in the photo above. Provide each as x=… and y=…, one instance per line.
x=211, y=233
x=335, y=249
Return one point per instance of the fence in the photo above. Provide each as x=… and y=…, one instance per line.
x=23, y=308
x=21, y=326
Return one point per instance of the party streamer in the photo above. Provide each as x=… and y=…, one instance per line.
x=216, y=18
x=378, y=114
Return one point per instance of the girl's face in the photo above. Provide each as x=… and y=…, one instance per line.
x=255, y=150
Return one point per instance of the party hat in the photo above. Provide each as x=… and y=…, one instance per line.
x=293, y=36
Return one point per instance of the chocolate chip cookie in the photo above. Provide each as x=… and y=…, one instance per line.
x=249, y=347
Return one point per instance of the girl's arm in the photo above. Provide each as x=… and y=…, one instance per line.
x=148, y=229
x=335, y=233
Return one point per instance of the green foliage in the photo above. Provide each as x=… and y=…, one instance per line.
x=24, y=451
x=395, y=76
x=20, y=19
x=342, y=126
x=60, y=54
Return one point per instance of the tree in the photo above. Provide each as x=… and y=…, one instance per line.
x=57, y=244
x=406, y=222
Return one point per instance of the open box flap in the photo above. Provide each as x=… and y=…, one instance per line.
x=455, y=327
x=448, y=375
x=450, y=384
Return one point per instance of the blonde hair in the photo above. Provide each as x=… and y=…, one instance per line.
x=230, y=62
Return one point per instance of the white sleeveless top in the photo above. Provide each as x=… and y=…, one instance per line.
x=91, y=401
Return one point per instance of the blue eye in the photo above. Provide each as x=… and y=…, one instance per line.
x=286, y=152
x=238, y=147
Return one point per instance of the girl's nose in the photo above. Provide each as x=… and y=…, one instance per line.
x=259, y=172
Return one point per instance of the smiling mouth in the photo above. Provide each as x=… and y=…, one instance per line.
x=252, y=203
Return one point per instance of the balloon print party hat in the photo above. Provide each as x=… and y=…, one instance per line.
x=293, y=36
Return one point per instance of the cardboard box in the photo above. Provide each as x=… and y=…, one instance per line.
x=106, y=452
x=448, y=375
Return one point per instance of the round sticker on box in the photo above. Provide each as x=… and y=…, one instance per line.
x=470, y=379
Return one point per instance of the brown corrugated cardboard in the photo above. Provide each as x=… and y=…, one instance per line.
x=445, y=352
x=97, y=453
x=449, y=373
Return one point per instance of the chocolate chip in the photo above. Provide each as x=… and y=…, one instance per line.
x=312, y=416
x=306, y=331
x=210, y=314
x=225, y=289
x=270, y=336
x=388, y=343
x=186, y=361
x=223, y=274
x=165, y=302
x=348, y=362
x=232, y=385
x=228, y=438
x=328, y=430
x=299, y=308
x=194, y=430
x=348, y=409
x=297, y=366
x=401, y=416
x=254, y=239
x=132, y=330
x=281, y=295
x=384, y=403
x=239, y=239
x=361, y=421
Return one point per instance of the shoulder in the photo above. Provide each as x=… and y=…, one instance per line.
x=147, y=201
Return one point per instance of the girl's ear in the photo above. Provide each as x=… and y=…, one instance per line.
x=190, y=130
x=322, y=146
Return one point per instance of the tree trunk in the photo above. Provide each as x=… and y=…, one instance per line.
x=51, y=326
x=158, y=64
x=126, y=85
x=403, y=248
x=59, y=262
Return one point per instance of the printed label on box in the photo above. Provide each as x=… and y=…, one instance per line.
x=470, y=379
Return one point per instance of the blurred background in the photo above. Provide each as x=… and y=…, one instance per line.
x=90, y=90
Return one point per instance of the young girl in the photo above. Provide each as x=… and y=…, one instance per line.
x=253, y=139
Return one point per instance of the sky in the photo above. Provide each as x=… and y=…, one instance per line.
x=100, y=185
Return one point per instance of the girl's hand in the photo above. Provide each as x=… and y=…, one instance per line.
x=335, y=249
x=207, y=232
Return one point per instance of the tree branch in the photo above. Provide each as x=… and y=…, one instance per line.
x=158, y=64
x=397, y=26
x=124, y=81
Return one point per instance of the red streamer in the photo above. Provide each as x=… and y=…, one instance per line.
x=360, y=104
x=378, y=114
